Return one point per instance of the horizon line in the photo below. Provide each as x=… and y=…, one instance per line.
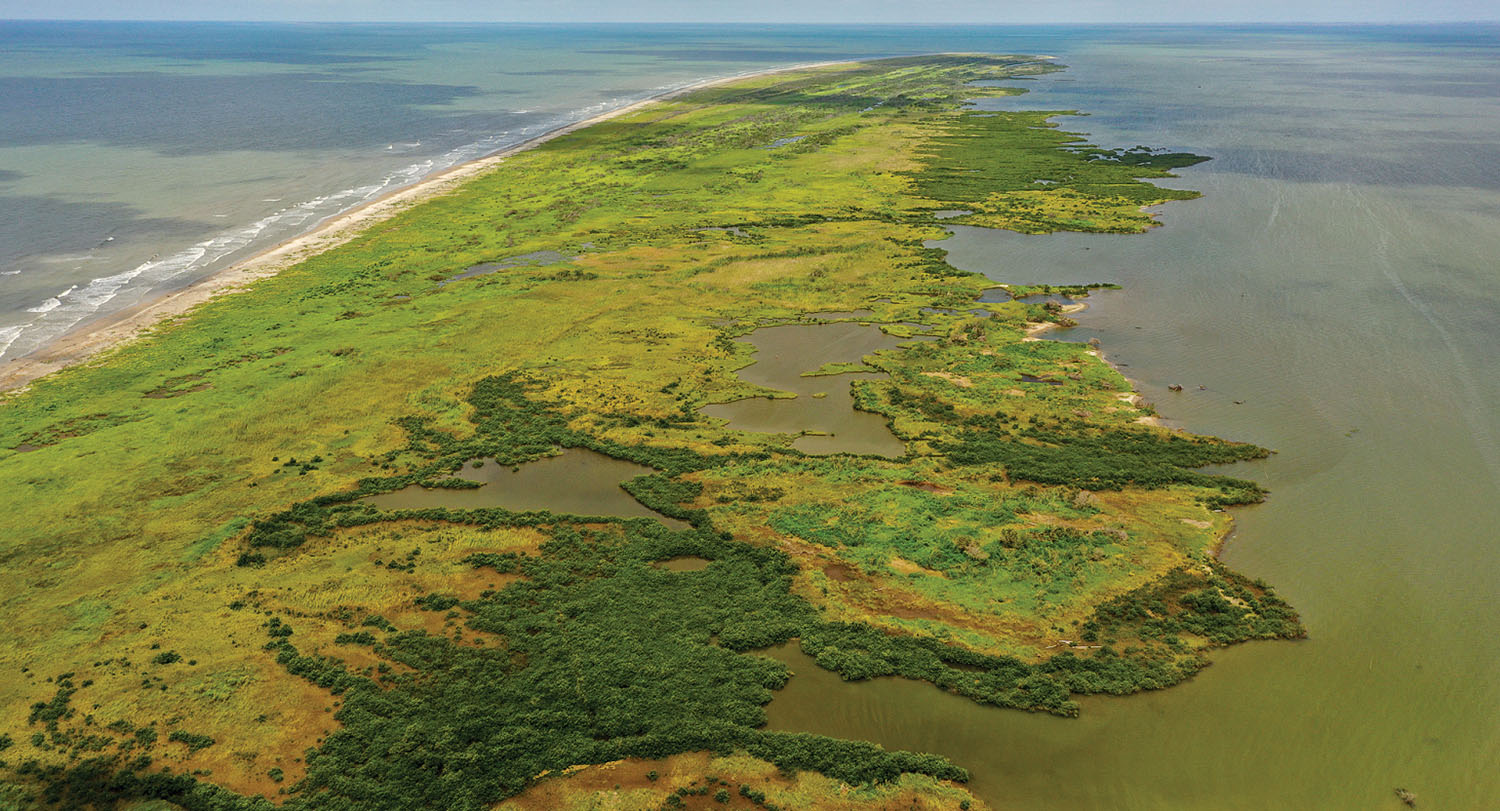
x=880, y=24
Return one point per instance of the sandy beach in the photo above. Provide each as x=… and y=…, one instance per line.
x=116, y=329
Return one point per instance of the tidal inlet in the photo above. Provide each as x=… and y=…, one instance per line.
x=766, y=436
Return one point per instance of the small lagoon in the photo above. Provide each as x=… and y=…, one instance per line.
x=822, y=410
x=577, y=481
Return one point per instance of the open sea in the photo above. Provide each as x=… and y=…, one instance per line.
x=1336, y=294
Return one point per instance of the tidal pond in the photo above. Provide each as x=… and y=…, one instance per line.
x=823, y=408
x=577, y=481
x=533, y=259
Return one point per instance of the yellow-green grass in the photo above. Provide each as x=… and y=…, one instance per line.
x=913, y=547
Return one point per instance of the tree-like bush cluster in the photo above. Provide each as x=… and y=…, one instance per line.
x=1001, y=156
x=1110, y=459
x=1218, y=605
x=596, y=655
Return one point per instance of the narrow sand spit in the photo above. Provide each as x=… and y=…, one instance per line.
x=130, y=323
x=1033, y=331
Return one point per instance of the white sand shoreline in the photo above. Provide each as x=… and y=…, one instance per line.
x=89, y=340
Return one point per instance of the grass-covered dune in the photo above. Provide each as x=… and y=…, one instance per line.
x=199, y=609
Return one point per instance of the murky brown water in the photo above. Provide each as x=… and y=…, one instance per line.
x=577, y=481
x=824, y=404
x=684, y=563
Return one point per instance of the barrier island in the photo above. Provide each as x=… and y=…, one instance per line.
x=250, y=559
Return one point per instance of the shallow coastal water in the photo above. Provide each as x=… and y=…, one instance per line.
x=1335, y=292
x=577, y=481
x=136, y=158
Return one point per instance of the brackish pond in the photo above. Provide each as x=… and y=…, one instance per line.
x=824, y=404
x=577, y=481
x=683, y=563
x=525, y=260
